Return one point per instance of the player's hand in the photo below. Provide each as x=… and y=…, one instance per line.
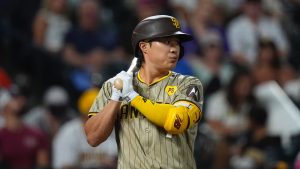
x=116, y=94
x=128, y=92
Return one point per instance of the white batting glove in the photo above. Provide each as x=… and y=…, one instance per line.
x=127, y=92
x=116, y=94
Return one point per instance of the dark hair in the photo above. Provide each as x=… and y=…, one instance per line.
x=258, y=115
x=230, y=90
x=267, y=43
x=140, y=57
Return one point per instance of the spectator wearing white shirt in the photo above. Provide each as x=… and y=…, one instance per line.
x=51, y=24
x=70, y=148
x=245, y=31
x=226, y=116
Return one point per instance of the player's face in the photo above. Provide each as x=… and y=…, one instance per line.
x=163, y=53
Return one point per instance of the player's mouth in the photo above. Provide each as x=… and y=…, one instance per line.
x=173, y=58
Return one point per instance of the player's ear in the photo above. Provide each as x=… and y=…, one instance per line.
x=143, y=46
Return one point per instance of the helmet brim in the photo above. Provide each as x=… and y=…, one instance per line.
x=183, y=37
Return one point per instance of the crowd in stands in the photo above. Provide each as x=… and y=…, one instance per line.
x=56, y=54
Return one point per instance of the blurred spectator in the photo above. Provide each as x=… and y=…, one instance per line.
x=136, y=10
x=181, y=10
x=245, y=31
x=297, y=161
x=258, y=150
x=204, y=18
x=267, y=64
x=292, y=13
x=226, y=115
x=274, y=9
x=5, y=97
x=16, y=32
x=231, y=7
x=5, y=80
x=211, y=67
x=51, y=24
x=21, y=147
x=53, y=113
x=146, y=8
x=70, y=148
x=88, y=46
x=289, y=79
x=199, y=24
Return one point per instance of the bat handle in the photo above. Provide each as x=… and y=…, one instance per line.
x=118, y=84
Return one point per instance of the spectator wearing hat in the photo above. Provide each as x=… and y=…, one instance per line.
x=52, y=113
x=70, y=149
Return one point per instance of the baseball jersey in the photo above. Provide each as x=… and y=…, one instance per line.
x=143, y=145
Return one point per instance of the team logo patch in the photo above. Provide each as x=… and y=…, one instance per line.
x=171, y=90
x=178, y=121
x=175, y=23
x=193, y=92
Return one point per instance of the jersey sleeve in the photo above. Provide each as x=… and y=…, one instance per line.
x=102, y=99
x=191, y=90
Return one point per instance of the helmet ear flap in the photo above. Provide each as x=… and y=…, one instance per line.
x=181, y=53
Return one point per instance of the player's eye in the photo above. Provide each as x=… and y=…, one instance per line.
x=170, y=41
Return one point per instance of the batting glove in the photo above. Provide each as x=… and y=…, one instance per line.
x=116, y=94
x=128, y=92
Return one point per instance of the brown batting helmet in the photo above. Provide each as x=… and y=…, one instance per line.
x=156, y=27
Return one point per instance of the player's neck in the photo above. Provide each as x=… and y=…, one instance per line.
x=149, y=75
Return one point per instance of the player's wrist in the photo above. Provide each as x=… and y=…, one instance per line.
x=131, y=95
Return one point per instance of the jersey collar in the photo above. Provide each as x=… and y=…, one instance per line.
x=162, y=78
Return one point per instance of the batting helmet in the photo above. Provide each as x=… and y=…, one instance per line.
x=156, y=27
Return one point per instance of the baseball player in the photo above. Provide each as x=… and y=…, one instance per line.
x=155, y=115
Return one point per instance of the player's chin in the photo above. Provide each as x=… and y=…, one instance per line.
x=172, y=65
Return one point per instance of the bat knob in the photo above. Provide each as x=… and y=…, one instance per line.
x=118, y=83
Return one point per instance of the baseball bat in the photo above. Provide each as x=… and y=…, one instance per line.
x=118, y=83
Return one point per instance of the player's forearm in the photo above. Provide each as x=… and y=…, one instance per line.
x=155, y=112
x=173, y=118
x=99, y=127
